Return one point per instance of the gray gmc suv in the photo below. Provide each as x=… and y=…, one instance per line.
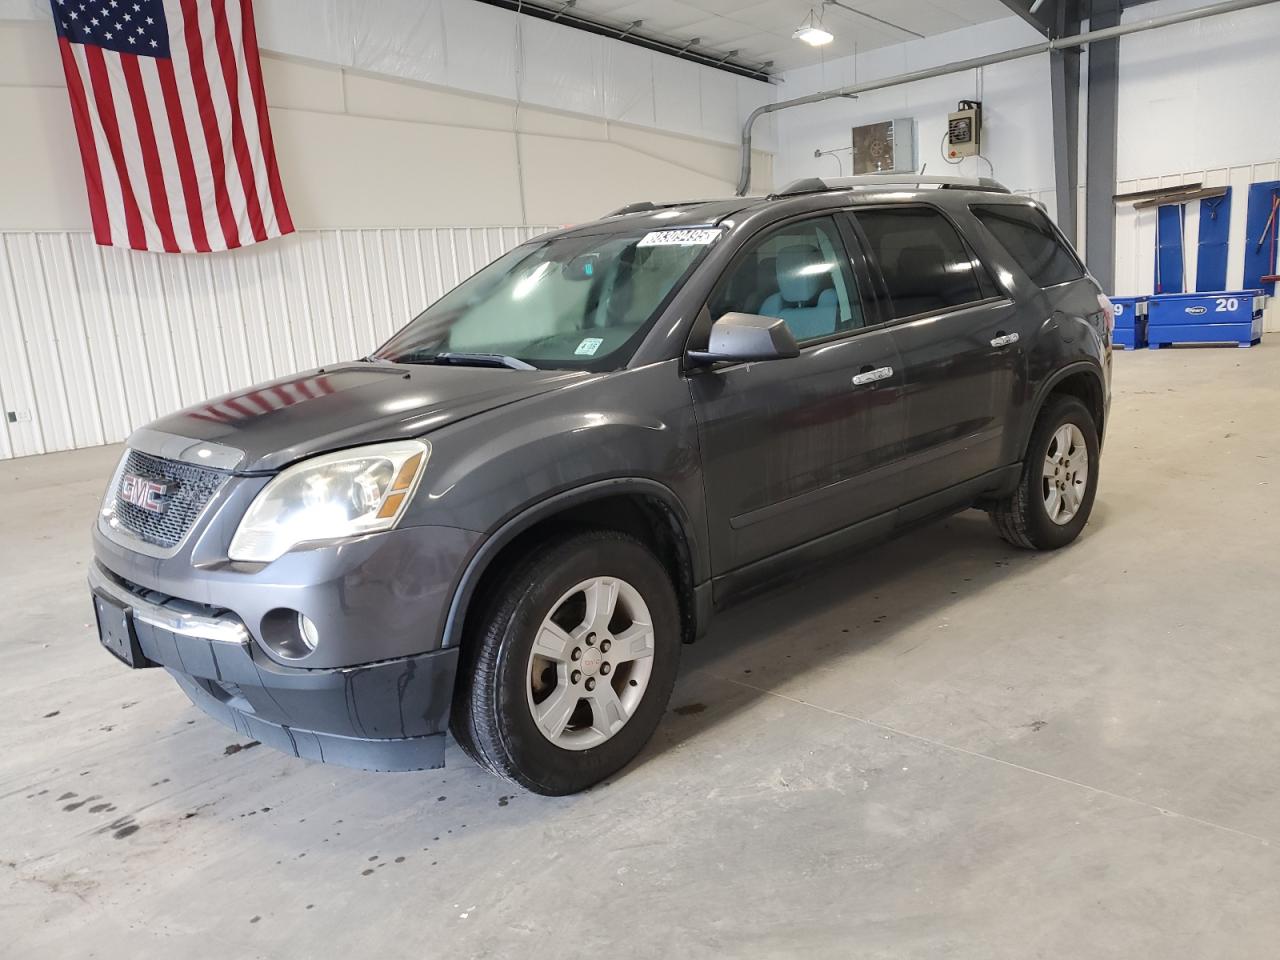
x=507, y=520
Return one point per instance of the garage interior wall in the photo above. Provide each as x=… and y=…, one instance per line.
x=418, y=139
x=1017, y=117
x=1197, y=102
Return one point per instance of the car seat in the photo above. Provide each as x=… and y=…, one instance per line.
x=805, y=297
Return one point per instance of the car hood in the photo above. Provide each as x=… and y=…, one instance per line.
x=273, y=424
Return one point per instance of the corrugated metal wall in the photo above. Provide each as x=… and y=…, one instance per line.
x=96, y=341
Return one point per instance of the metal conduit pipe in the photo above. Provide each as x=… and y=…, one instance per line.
x=959, y=66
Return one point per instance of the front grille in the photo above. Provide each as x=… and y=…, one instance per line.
x=188, y=489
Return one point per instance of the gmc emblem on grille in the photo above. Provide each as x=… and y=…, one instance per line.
x=144, y=493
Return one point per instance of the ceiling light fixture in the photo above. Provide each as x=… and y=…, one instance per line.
x=812, y=32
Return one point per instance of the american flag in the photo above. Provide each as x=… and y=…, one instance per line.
x=172, y=121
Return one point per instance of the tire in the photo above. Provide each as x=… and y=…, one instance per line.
x=501, y=676
x=1023, y=518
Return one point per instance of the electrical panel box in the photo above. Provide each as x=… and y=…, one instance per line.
x=887, y=147
x=964, y=131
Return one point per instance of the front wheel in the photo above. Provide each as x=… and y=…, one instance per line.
x=570, y=668
x=1059, y=479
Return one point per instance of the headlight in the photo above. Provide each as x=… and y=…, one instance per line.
x=343, y=494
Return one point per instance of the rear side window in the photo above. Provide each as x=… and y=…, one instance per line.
x=925, y=264
x=1031, y=241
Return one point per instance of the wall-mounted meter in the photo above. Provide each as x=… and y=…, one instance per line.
x=964, y=130
x=888, y=147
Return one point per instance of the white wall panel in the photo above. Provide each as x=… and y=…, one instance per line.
x=17, y=383
x=628, y=83
x=22, y=9
x=560, y=68
x=404, y=38
x=95, y=342
x=316, y=28
x=677, y=96
x=41, y=344
x=1198, y=95
x=719, y=105
x=481, y=48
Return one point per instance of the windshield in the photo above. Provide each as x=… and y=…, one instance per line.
x=581, y=302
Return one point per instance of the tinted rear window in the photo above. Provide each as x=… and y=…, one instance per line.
x=1032, y=242
x=925, y=264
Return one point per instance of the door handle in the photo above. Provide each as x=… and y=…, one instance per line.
x=871, y=376
x=1004, y=340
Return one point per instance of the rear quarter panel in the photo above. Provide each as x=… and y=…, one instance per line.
x=1062, y=328
x=1072, y=337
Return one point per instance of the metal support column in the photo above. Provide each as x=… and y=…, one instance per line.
x=1100, y=158
x=1064, y=76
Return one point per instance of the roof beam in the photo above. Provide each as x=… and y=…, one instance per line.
x=565, y=13
x=1043, y=19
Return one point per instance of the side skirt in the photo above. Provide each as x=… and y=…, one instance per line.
x=736, y=585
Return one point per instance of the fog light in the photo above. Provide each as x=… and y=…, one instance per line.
x=310, y=635
x=289, y=633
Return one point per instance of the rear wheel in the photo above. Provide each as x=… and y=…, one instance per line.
x=568, y=672
x=1059, y=479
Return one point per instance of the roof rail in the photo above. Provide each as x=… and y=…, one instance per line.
x=648, y=206
x=889, y=180
x=638, y=207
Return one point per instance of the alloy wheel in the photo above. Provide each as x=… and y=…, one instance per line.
x=590, y=663
x=1066, y=474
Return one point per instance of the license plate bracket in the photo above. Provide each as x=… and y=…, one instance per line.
x=116, y=632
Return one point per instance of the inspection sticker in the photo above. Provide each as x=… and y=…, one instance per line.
x=588, y=347
x=692, y=237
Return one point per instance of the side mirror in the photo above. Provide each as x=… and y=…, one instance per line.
x=746, y=336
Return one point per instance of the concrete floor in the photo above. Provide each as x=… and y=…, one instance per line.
x=943, y=748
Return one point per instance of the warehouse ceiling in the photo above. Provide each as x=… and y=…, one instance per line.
x=762, y=31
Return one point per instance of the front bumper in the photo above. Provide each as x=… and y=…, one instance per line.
x=387, y=715
x=376, y=597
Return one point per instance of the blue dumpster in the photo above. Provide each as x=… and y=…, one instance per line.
x=1233, y=316
x=1131, y=322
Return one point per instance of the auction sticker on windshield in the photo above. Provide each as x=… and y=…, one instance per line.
x=695, y=237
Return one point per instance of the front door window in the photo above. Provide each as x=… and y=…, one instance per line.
x=800, y=273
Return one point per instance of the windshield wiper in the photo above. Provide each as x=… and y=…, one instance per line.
x=478, y=360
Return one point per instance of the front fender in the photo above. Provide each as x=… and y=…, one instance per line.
x=497, y=474
x=492, y=545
